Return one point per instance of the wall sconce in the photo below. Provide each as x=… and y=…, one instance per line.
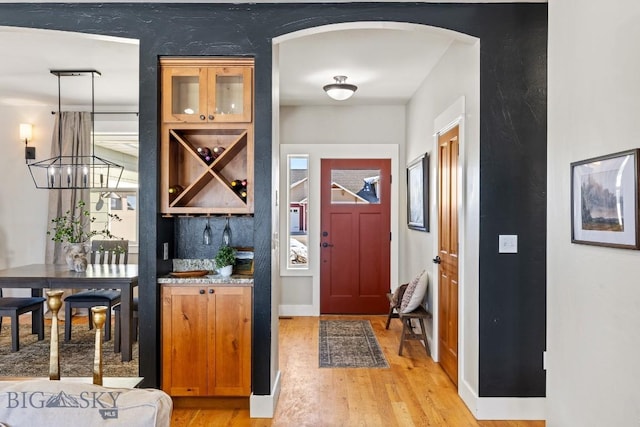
x=26, y=134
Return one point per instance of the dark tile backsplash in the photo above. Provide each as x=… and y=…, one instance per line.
x=189, y=232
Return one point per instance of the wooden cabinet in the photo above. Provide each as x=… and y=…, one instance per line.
x=196, y=90
x=206, y=340
x=207, y=106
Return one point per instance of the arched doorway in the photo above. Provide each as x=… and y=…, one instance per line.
x=323, y=127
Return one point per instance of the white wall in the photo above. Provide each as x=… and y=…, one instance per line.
x=452, y=86
x=333, y=132
x=593, y=293
x=23, y=208
x=338, y=124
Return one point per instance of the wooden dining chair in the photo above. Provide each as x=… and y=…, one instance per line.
x=15, y=306
x=102, y=252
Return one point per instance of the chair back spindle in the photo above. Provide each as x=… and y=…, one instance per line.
x=109, y=252
x=103, y=252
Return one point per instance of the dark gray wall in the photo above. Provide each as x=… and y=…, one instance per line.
x=513, y=153
x=513, y=181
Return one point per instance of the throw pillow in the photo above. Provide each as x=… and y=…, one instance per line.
x=414, y=294
x=396, y=297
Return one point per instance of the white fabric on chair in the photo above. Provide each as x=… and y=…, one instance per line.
x=66, y=403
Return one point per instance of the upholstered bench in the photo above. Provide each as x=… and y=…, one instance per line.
x=67, y=403
x=81, y=401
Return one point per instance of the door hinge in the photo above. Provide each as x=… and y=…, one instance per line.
x=390, y=235
x=390, y=179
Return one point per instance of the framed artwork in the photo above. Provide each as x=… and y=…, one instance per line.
x=604, y=200
x=418, y=193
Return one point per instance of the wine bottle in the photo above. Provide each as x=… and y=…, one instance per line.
x=236, y=185
x=217, y=150
x=175, y=189
x=206, y=154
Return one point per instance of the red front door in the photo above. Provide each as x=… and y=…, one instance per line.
x=355, y=236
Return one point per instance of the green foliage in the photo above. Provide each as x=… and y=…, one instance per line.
x=75, y=226
x=226, y=256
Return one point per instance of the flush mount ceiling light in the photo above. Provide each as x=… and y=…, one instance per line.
x=340, y=90
x=65, y=172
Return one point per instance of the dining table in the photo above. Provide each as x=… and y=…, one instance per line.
x=124, y=277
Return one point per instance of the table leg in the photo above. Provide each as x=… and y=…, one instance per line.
x=34, y=322
x=126, y=319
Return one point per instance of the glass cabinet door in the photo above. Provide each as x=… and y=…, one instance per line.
x=230, y=94
x=187, y=90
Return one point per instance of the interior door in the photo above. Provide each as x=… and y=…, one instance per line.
x=355, y=236
x=448, y=146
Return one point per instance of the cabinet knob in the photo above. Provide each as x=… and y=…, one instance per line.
x=211, y=291
x=211, y=117
x=201, y=291
x=202, y=117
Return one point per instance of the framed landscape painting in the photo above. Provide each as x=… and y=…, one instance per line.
x=604, y=200
x=418, y=193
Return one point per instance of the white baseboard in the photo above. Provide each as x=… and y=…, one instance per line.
x=265, y=406
x=297, y=310
x=502, y=408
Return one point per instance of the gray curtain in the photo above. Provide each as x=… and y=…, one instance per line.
x=75, y=130
x=75, y=127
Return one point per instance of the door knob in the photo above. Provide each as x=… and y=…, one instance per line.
x=326, y=245
x=202, y=117
x=437, y=260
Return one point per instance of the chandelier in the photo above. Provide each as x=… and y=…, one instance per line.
x=68, y=172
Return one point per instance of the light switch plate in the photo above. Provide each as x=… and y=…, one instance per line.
x=165, y=250
x=508, y=243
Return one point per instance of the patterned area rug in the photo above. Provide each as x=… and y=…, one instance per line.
x=76, y=356
x=349, y=344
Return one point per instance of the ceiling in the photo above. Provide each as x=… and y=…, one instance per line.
x=29, y=55
x=387, y=62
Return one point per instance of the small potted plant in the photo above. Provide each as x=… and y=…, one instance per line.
x=73, y=230
x=225, y=259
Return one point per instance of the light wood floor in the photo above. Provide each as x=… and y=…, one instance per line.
x=413, y=392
